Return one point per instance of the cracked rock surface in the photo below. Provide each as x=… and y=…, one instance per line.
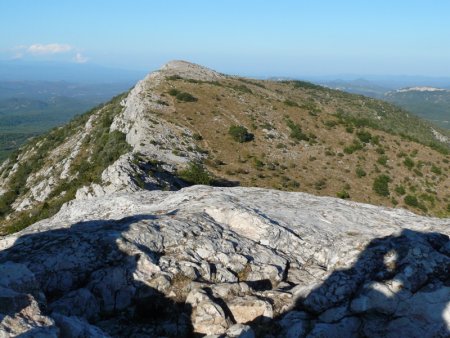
x=228, y=262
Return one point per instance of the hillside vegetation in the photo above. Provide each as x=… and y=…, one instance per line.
x=96, y=152
x=430, y=105
x=313, y=139
x=186, y=124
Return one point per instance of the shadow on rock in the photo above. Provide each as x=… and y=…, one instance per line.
x=398, y=287
x=84, y=281
x=108, y=278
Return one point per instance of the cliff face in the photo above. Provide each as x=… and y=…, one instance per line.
x=232, y=261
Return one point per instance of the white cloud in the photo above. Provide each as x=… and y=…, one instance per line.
x=50, y=51
x=51, y=48
x=79, y=58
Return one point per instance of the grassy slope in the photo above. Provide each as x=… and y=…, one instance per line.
x=323, y=165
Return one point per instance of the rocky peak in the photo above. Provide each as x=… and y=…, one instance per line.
x=190, y=70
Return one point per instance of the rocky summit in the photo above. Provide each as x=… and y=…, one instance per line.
x=109, y=228
x=226, y=262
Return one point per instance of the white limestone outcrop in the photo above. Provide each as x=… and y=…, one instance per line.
x=228, y=261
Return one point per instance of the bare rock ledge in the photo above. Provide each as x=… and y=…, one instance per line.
x=226, y=262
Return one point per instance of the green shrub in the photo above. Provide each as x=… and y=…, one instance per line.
x=343, y=194
x=330, y=123
x=400, y=189
x=186, y=97
x=408, y=162
x=173, y=92
x=355, y=146
x=240, y=134
x=436, y=170
x=173, y=77
x=417, y=172
x=296, y=131
x=304, y=84
x=242, y=88
x=290, y=103
x=375, y=140
x=195, y=173
x=364, y=136
x=258, y=163
x=360, y=172
x=382, y=160
x=197, y=137
x=381, y=185
x=411, y=200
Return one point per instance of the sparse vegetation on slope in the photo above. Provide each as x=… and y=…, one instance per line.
x=314, y=139
x=100, y=149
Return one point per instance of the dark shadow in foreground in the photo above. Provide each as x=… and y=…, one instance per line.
x=398, y=287
x=86, y=278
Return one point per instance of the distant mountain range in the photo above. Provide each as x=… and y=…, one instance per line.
x=427, y=101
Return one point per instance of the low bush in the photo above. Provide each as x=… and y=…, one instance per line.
x=240, y=134
x=436, y=170
x=355, y=146
x=400, y=189
x=411, y=200
x=290, y=103
x=343, y=194
x=296, y=131
x=408, y=162
x=382, y=160
x=195, y=173
x=186, y=97
x=381, y=185
x=173, y=92
x=364, y=136
x=360, y=172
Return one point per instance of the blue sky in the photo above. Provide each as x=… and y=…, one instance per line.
x=283, y=37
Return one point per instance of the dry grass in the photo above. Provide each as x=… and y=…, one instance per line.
x=320, y=166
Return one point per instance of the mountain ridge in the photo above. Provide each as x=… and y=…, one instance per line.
x=155, y=136
x=107, y=232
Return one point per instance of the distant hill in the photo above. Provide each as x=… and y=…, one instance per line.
x=358, y=86
x=428, y=102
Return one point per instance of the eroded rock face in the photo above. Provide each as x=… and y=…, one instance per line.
x=236, y=262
